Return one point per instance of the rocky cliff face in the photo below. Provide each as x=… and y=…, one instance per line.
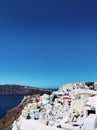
x=10, y=116
x=14, y=113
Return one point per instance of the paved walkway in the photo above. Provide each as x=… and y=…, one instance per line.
x=35, y=125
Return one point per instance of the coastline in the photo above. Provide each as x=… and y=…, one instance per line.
x=11, y=115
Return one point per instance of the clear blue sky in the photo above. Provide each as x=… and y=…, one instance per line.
x=48, y=43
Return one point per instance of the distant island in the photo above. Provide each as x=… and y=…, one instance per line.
x=20, y=89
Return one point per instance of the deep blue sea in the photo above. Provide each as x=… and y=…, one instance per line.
x=9, y=101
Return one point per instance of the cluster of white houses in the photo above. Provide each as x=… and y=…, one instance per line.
x=72, y=107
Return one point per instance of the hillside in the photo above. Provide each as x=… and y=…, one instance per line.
x=19, y=89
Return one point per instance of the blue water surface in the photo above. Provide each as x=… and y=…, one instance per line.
x=9, y=101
